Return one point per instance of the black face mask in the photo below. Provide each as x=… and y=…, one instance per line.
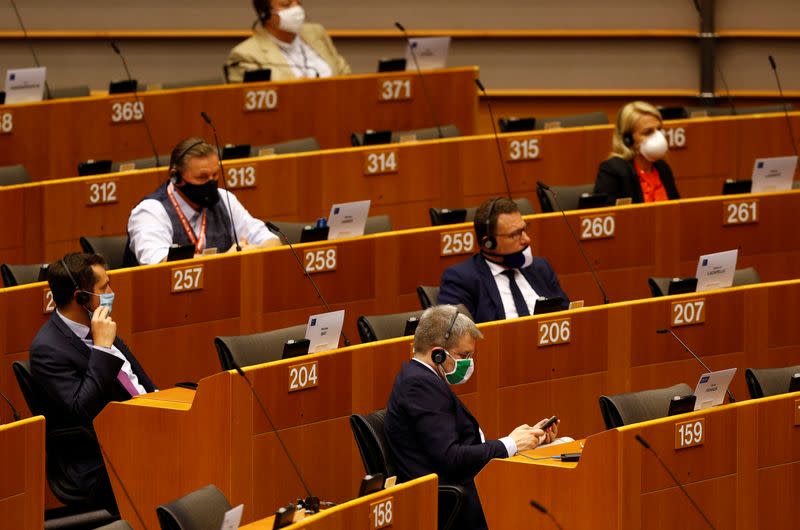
x=203, y=195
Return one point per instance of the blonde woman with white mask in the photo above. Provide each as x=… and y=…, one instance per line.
x=636, y=167
x=286, y=44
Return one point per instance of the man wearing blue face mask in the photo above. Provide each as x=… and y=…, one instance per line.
x=79, y=361
x=504, y=280
x=429, y=430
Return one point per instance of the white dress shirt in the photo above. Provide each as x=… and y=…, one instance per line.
x=150, y=227
x=82, y=331
x=504, y=286
x=511, y=445
x=305, y=62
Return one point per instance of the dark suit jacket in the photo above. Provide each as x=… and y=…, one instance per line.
x=429, y=430
x=471, y=283
x=80, y=381
x=617, y=177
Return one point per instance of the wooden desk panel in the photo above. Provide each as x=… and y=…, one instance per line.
x=22, y=470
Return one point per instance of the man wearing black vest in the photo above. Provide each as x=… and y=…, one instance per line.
x=190, y=209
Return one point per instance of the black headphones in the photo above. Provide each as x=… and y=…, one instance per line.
x=263, y=9
x=488, y=241
x=175, y=175
x=438, y=355
x=82, y=298
x=627, y=138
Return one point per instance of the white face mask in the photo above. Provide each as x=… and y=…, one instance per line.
x=654, y=146
x=292, y=19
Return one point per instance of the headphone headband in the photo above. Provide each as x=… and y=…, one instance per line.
x=64, y=263
x=438, y=354
x=488, y=240
x=174, y=173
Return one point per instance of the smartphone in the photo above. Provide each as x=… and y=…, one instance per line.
x=549, y=423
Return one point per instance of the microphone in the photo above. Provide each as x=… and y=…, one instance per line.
x=30, y=46
x=421, y=78
x=783, y=101
x=272, y=226
x=674, y=479
x=697, y=358
x=541, y=185
x=11, y=406
x=139, y=101
x=496, y=137
x=311, y=502
x=224, y=182
x=545, y=512
x=719, y=69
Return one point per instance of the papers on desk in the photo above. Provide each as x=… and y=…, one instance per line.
x=348, y=219
x=431, y=52
x=712, y=387
x=773, y=174
x=323, y=331
x=24, y=85
x=233, y=518
x=715, y=271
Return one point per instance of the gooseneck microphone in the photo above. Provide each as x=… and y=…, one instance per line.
x=11, y=406
x=496, y=136
x=783, y=101
x=697, y=357
x=431, y=109
x=311, y=502
x=30, y=44
x=546, y=512
x=541, y=185
x=224, y=180
x=674, y=479
x=272, y=226
x=139, y=101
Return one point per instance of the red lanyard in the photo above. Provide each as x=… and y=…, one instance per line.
x=199, y=243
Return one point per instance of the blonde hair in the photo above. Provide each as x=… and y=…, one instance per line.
x=626, y=122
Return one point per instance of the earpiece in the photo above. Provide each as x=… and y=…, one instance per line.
x=438, y=355
x=627, y=139
x=263, y=9
x=488, y=241
x=175, y=175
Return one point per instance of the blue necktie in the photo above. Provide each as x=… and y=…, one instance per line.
x=516, y=294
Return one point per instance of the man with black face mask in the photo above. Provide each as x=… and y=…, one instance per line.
x=190, y=209
x=505, y=279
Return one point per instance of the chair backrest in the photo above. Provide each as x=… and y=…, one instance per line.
x=211, y=81
x=293, y=231
x=80, y=91
x=568, y=196
x=371, y=442
x=31, y=391
x=16, y=174
x=256, y=348
x=122, y=524
x=301, y=145
x=634, y=407
x=148, y=162
x=112, y=248
x=524, y=204
x=427, y=295
x=382, y=327
x=20, y=274
x=658, y=286
x=429, y=133
x=764, y=382
x=746, y=276
x=575, y=120
x=709, y=111
x=763, y=109
x=203, y=509
x=377, y=224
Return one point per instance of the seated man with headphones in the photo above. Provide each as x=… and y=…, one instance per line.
x=190, y=209
x=285, y=44
x=78, y=360
x=636, y=167
x=429, y=430
x=504, y=280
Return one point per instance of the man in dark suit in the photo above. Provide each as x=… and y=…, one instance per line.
x=429, y=430
x=77, y=358
x=505, y=279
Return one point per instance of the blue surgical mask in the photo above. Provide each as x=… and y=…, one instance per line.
x=515, y=260
x=106, y=300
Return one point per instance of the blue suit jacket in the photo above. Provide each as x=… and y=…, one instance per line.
x=429, y=430
x=471, y=283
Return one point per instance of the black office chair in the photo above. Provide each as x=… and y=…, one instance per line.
x=377, y=458
x=14, y=275
x=256, y=348
x=112, y=248
x=203, y=509
x=568, y=196
x=382, y=327
x=635, y=407
x=147, y=162
x=764, y=382
x=575, y=120
x=16, y=174
x=301, y=145
x=440, y=216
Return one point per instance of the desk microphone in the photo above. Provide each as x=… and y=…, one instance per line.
x=697, y=358
x=224, y=180
x=311, y=503
x=674, y=479
x=30, y=44
x=411, y=47
x=11, y=406
x=496, y=137
x=139, y=101
x=547, y=513
x=783, y=101
x=542, y=186
x=272, y=226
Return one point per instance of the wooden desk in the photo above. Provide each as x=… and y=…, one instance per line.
x=221, y=436
x=413, y=506
x=745, y=474
x=22, y=480
x=43, y=221
x=52, y=137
